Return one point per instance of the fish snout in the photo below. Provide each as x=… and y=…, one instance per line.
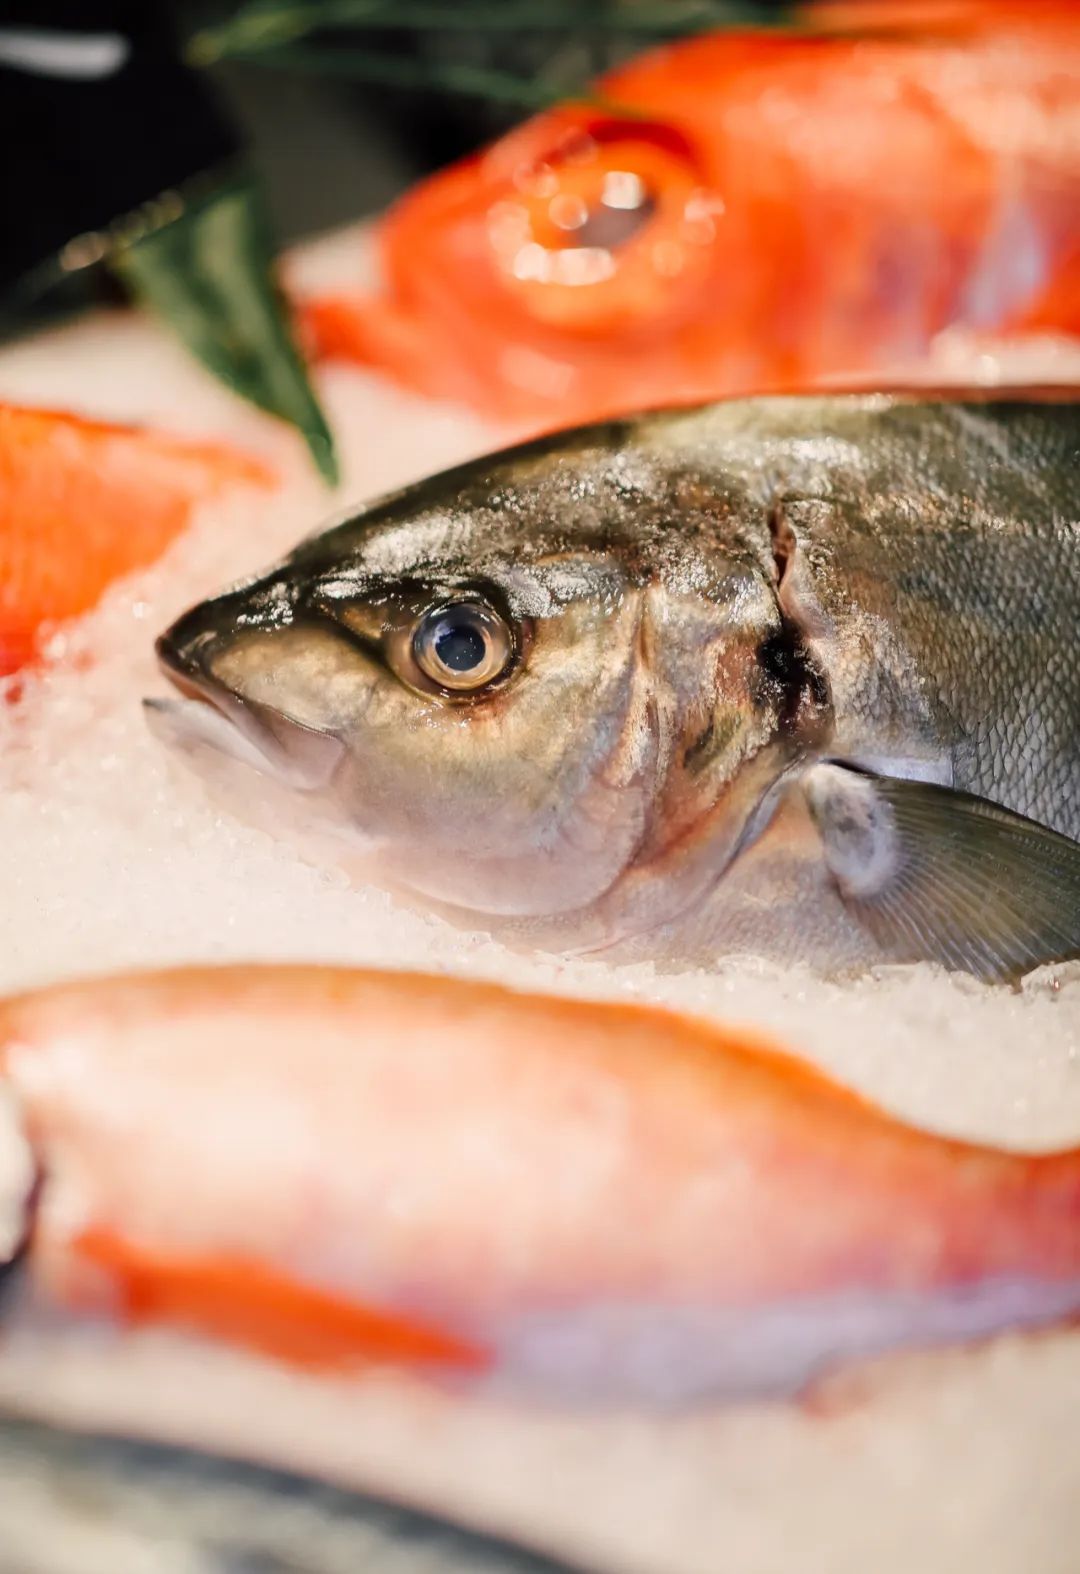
x=211, y=709
x=186, y=651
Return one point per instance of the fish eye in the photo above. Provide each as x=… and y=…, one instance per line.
x=608, y=225
x=463, y=646
x=623, y=205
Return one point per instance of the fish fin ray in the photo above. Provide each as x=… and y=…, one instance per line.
x=939, y=875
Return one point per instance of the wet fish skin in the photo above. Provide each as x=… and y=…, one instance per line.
x=707, y=603
x=582, y=1203
x=77, y=1504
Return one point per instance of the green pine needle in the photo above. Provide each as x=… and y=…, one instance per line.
x=275, y=33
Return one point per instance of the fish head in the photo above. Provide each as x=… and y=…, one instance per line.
x=521, y=687
x=585, y=246
x=724, y=217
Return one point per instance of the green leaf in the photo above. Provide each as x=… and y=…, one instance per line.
x=269, y=25
x=447, y=76
x=208, y=272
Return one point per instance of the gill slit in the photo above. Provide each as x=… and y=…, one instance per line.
x=805, y=721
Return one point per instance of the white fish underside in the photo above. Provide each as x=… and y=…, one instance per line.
x=671, y=1355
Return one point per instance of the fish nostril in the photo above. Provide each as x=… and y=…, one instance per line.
x=185, y=649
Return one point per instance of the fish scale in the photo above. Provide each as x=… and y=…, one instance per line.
x=821, y=587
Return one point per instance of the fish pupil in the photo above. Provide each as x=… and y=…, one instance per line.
x=610, y=227
x=460, y=646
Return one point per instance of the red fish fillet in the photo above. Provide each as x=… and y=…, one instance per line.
x=83, y=503
x=779, y=210
x=557, y=1196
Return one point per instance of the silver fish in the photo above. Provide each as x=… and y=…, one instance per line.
x=795, y=676
x=76, y=1504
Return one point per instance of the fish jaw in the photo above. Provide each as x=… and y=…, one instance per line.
x=267, y=738
x=572, y=1199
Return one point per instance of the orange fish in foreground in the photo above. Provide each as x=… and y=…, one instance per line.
x=83, y=503
x=777, y=211
x=575, y=1199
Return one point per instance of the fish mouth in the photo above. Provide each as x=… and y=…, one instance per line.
x=210, y=714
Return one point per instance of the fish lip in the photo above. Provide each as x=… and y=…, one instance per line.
x=305, y=758
x=186, y=670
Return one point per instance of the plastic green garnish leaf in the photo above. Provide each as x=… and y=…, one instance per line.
x=208, y=272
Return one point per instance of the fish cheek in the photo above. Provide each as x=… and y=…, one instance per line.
x=308, y=673
x=529, y=800
x=725, y=707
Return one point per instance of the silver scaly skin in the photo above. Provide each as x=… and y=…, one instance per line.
x=798, y=676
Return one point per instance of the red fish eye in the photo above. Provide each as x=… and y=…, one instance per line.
x=600, y=233
x=625, y=205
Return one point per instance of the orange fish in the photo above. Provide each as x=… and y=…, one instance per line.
x=576, y=1198
x=773, y=211
x=83, y=503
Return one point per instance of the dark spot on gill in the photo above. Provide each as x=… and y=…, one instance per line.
x=784, y=542
x=794, y=680
x=786, y=660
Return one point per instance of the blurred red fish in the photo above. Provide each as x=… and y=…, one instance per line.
x=83, y=503
x=337, y=1167
x=777, y=210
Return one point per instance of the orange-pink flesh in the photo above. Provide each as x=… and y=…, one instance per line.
x=444, y=1153
x=242, y=1301
x=84, y=502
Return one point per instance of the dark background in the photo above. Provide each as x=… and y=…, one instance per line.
x=329, y=149
x=80, y=154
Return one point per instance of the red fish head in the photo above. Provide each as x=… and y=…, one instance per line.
x=745, y=212
x=589, y=244
x=515, y=273
x=595, y=226
x=582, y=243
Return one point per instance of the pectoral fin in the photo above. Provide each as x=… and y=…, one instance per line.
x=938, y=875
